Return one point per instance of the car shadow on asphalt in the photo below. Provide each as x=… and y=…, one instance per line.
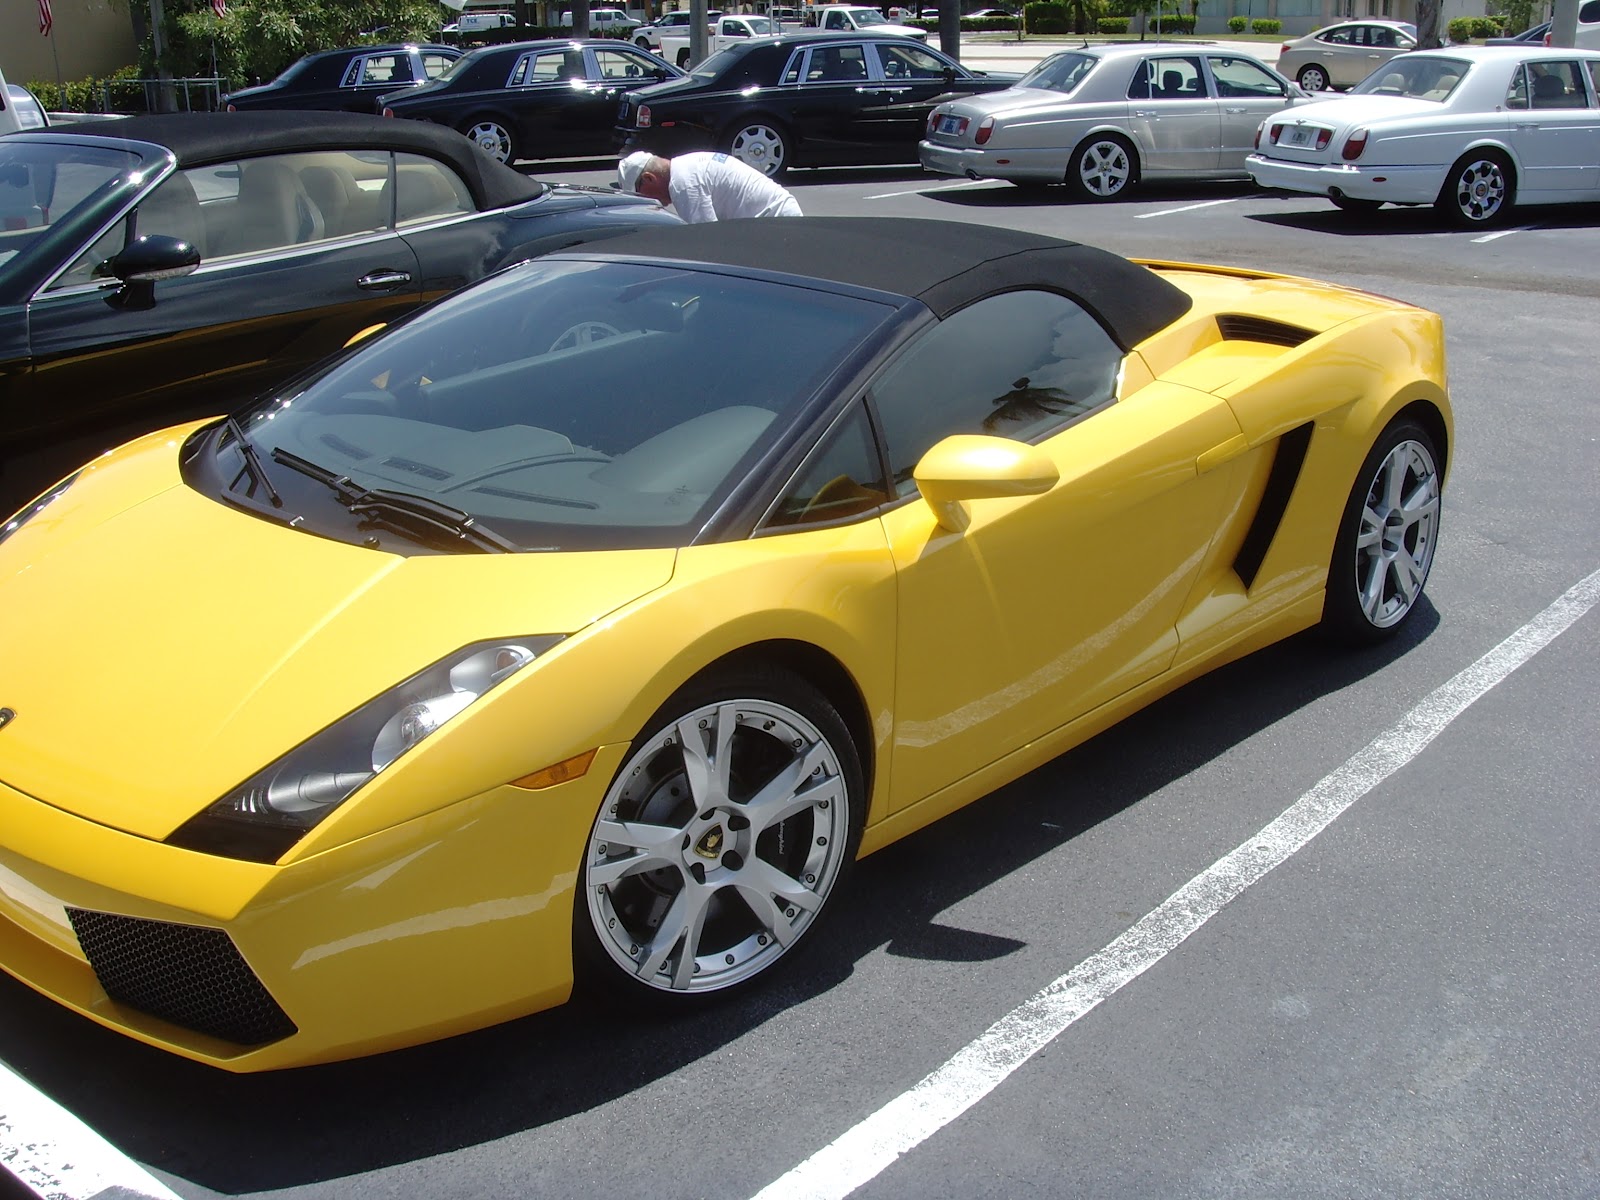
x=1010, y=195
x=241, y=1134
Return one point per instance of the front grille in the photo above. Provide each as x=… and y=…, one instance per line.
x=191, y=976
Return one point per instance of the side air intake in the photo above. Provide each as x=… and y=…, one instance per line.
x=1236, y=328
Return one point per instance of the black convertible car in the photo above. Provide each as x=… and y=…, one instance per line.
x=162, y=267
x=802, y=100
x=549, y=99
x=348, y=80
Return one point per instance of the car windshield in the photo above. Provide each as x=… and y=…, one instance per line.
x=760, y=26
x=868, y=16
x=1059, y=72
x=44, y=185
x=1417, y=76
x=564, y=405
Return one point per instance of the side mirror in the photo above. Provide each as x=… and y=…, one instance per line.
x=971, y=466
x=150, y=258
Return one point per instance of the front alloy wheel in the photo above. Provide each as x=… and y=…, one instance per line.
x=1313, y=79
x=720, y=840
x=1387, y=537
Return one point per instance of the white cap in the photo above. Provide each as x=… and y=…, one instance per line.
x=630, y=168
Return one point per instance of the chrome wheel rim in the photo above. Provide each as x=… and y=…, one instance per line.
x=1399, y=530
x=1313, y=80
x=1104, y=168
x=717, y=846
x=492, y=139
x=1481, y=190
x=759, y=146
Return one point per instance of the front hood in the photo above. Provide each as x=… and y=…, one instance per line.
x=158, y=647
x=1350, y=111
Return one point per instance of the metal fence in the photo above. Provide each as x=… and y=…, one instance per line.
x=195, y=94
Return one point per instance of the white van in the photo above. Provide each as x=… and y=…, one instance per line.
x=607, y=20
x=478, y=22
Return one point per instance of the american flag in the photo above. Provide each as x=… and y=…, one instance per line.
x=217, y=6
x=45, y=19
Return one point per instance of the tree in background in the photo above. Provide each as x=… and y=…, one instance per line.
x=256, y=39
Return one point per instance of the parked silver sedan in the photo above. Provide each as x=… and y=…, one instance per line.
x=1102, y=118
x=1342, y=55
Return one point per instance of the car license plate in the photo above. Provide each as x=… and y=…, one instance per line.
x=953, y=125
x=1298, y=135
x=622, y=113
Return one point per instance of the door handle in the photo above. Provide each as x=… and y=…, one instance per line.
x=1144, y=112
x=1221, y=453
x=383, y=281
x=1236, y=110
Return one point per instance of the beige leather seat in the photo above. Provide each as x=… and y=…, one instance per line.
x=173, y=210
x=273, y=211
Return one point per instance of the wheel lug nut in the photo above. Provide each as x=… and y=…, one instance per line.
x=790, y=912
x=762, y=940
x=728, y=959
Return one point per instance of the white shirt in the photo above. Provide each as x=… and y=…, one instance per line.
x=714, y=187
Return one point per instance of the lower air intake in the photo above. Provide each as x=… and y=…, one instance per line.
x=191, y=976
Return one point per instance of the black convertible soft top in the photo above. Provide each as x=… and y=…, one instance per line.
x=199, y=138
x=944, y=264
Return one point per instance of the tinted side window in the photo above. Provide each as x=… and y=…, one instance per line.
x=843, y=479
x=1167, y=79
x=1019, y=365
x=426, y=190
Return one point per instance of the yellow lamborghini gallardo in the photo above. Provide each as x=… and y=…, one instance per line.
x=585, y=628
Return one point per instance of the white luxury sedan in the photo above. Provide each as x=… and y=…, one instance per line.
x=1102, y=118
x=1473, y=130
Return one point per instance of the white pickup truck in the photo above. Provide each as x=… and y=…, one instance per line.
x=728, y=31
x=854, y=18
x=672, y=24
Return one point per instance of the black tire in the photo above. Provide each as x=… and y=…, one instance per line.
x=761, y=142
x=643, y=43
x=1313, y=78
x=1103, y=167
x=1387, y=537
x=1479, y=192
x=493, y=135
x=683, y=897
x=683, y=60
x=1351, y=204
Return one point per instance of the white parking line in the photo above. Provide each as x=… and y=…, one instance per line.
x=905, y=1122
x=57, y=1155
x=922, y=191
x=1490, y=237
x=1167, y=212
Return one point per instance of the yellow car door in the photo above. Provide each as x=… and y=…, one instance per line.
x=1044, y=606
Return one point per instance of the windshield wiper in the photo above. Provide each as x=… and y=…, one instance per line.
x=252, y=462
x=381, y=503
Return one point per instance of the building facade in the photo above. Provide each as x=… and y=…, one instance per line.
x=87, y=37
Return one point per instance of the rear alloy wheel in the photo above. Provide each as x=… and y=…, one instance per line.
x=1479, y=191
x=720, y=841
x=493, y=138
x=1387, y=537
x=1102, y=168
x=1313, y=79
x=762, y=144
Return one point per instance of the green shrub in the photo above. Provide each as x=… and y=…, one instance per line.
x=1266, y=25
x=90, y=95
x=983, y=24
x=1237, y=24
x=1039, y=14
x=1112, y=25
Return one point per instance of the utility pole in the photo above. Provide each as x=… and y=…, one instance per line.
x=1564, y=23
x=166, y=98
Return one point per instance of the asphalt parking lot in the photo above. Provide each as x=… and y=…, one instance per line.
x=1403, y=1005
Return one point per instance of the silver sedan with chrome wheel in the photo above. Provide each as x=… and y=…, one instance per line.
x=1101, y=119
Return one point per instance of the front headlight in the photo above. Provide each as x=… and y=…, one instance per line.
x=29, y=511
x=264, y=816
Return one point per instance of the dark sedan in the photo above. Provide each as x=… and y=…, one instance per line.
x=161, y=267
x=549, y=99
x=349, y=80
x=802, y=100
